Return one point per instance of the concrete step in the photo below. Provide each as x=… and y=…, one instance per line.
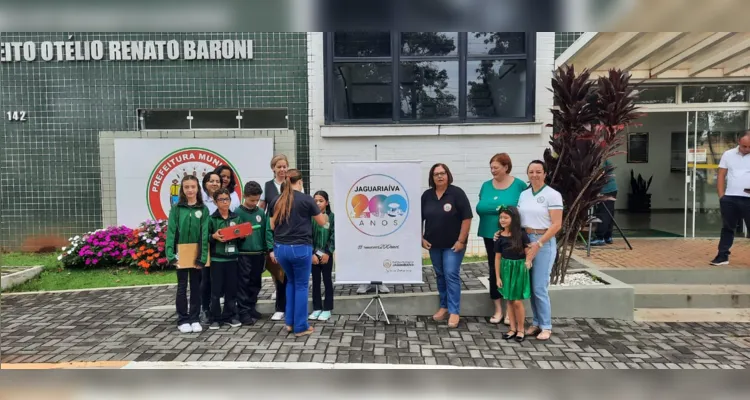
x=692, y=314
x=691, y=296
x=694, y=276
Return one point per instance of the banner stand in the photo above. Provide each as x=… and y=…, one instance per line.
x=378, y=307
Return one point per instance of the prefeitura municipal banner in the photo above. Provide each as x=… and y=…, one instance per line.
x=148, y=172
x=378, y=222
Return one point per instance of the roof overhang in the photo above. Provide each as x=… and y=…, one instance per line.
x=662, y=55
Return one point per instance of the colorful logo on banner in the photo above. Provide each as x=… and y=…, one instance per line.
x=164, y=182
x=377, y=205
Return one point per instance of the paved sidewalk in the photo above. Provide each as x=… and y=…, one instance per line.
x=666, y=254
x=112, y=325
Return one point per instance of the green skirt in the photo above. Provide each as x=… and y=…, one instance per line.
x=515, y=277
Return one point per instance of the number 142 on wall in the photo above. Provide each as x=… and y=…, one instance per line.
x=16, y=116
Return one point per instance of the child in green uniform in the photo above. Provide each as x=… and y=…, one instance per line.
x=252, y=257
x=188, y=225
x=512, y=264
x=224, y=254
x=322, y=260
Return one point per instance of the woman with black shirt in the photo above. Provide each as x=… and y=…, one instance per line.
x=446, y=213
x=292, y=214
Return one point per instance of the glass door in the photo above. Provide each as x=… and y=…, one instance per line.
x=709, y=134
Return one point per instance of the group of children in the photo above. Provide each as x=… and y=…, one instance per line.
x=233, y=269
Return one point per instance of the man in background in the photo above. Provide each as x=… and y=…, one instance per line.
x=733, y=186
x=603, y=234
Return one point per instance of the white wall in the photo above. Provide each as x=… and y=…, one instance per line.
x=466, y=149
x=668, y=188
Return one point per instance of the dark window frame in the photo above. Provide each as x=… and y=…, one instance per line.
x=463, y=58
x=239, y=112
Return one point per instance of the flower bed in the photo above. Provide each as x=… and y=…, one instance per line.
x=147, y=245
x=103, y=247
x=119, y=246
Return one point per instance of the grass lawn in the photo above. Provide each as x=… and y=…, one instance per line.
x=54, y=277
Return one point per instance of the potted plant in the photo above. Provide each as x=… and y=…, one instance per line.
x=639, y=199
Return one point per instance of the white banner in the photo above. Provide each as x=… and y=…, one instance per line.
x=378, y=227
x=148, y=172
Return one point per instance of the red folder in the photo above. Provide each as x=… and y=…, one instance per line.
x=237, y=231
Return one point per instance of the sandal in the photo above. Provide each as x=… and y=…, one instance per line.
x=520, y=338
x=288, y=328
x=544, y=335
x=440, y=315
x=496, y=320
x=309, y=331
x=506, y=321
x=533, y=331
x=453, y=321
x=508, y=336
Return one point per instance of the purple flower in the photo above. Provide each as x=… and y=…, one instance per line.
x=81, y=253
x=95, y=261
x=88, y=261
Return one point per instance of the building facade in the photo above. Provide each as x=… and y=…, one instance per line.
x=61, y=91
x=450, y=97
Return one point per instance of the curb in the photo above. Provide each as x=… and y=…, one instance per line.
x=17, y=278
x=222, y=365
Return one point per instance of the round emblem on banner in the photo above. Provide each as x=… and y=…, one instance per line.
x=540, y=200
x=447, y=207
x=377, y=205
x=232, y=223
x=198, y=214
x=258, y=218
x=163, y=184
x=387, y=263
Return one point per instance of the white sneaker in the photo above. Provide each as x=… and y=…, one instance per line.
x=185, y=328
x=383, y=289
x=315, y=314
x=362, y=289
x=196, y=327
x=277, y=316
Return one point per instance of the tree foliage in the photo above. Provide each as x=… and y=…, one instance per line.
x=587, y=130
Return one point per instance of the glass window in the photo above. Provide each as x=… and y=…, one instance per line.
x=429, y=43
x=496, y=88
x=165, y=119
x=446, y=77
x=429, y=89
x=657, y=94
x=362, y=44
x=265, y=119
x=362, y=90
x=714, y=93
x=496, y=43
x=214, y=119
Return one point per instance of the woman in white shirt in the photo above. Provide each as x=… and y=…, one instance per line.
x=229, y=182
x=541, y=209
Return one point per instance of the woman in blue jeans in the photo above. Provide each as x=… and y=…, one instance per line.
x=446, y=214
x=292, y=213
x=541, y=209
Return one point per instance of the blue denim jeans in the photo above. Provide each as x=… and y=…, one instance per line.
x=296, y=261
x=447, y=265
x=540, y=273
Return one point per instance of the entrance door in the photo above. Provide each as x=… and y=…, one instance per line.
x=709, y=134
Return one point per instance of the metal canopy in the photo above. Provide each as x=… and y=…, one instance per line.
x=662, y=55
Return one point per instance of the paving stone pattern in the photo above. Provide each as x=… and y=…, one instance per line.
x=666, y=254
x=113, y=325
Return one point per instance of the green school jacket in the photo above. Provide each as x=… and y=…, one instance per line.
x=221, y=251
x=255, y=243
x=323, y=236
x=187, y=225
